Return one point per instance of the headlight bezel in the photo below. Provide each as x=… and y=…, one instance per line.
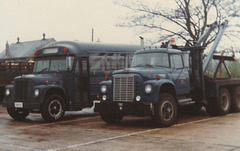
x=148, y=88
x=103, y=88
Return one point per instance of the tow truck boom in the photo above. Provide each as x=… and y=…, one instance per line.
x=223, y=26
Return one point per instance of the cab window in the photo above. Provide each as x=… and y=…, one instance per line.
x=176, y=61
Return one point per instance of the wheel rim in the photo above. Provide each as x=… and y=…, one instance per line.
x=19, y=111
x=225, y=102
x=55, y=109
x=167, y=110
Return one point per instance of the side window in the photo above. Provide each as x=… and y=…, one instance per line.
x=186, y=60
x=176, y=61
x=130, y=57
x=77, y=67
x=97, y=61
x=84, y=66
x=111, y=61
x=122, y=61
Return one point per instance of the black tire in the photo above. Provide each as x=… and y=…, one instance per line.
x=17, y=113
x=111, y=118
x=165, y=110
x=222, y=104
x=53, y=108
x=236, y=100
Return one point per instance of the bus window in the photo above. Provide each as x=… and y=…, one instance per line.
x=58, y=64
x=130, y=57
x=111, y=63
x=39, y=65
x=97, y=62
x=84, y=66
x=77, y=67
x=122, y=61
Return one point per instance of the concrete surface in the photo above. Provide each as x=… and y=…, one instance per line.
x=86, y=131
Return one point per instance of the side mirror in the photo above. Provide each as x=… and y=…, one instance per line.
x=69, y=62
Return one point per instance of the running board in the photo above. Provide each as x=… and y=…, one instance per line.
x=186, y=101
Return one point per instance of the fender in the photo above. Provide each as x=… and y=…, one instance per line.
x=163, y=85
x=44, y=89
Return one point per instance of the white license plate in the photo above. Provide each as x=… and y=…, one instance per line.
x=18, y=104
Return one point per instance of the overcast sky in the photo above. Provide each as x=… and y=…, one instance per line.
x=63, y=20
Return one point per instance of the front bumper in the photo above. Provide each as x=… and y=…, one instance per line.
x=25, y=105
x=128, y=108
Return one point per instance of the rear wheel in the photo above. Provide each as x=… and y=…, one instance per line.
x=223, y=102
x=165, y=110
x=111, y=118
x=17, y=113
x=53, y=108
x=236, y=100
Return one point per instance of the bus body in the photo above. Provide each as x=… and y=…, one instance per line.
x=65, y=77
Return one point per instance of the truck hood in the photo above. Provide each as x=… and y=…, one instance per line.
x=41, y=78
x=146, y=73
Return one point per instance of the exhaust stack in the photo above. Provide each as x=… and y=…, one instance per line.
x=141, y=42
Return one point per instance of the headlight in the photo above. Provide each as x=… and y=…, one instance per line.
x=104, y=97
x=36, y=92
x=138, y=98
x=148, y=88
x=103, y=88
x=7, y=92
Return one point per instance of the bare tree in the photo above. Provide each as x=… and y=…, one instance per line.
x=186, y=19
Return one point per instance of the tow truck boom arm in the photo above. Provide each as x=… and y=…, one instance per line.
x=214, y=46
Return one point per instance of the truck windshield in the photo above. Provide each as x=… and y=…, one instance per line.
x=50, y=64
x=150, y=59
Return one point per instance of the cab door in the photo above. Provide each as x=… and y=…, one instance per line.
x=82, y=83
x=180, y=74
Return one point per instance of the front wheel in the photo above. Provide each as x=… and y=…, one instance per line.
x=165, y=110
x=17, y=113
x=53, y=108
x=111, y=118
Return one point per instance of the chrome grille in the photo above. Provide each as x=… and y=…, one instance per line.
x=123, y=89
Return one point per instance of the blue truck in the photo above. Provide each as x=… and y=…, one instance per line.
x=161, y=80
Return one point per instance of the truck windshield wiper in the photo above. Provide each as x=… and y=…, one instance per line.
x=43, y=70
x=162, y=66
x=140, y=65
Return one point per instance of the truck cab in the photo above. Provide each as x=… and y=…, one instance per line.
x=155, y=84
x=46, y=89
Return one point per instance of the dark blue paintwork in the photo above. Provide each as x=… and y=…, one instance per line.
x=72, y=86
x=173, y=81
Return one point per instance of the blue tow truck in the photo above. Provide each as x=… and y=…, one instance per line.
x=161, y=80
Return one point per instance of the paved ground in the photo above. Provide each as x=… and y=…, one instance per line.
x=86, y=131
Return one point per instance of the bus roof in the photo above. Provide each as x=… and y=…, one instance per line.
x=83, y=49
